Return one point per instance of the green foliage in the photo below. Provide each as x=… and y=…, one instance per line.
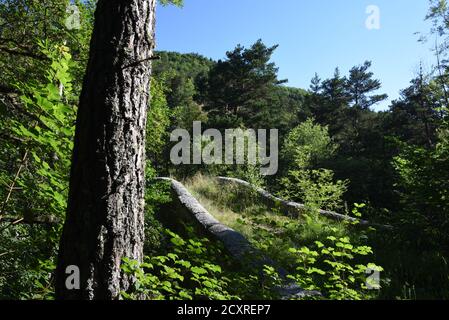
x=33, y=21
x=316, y=189
x=158, y=123
x=42, y=280
x=182, y=75
x=342, y=103
x=416, y=118
x=48, y=138
x=424, y=180
x=395, y=161
x=331, y=267
x=307, y=145
x=249, y=173
x=241, y=87
x=186, y=272
x=318, y=254
x=25, y=264
x=157, y=193
x=361, y=84
x=46, y=131
x=327, y=261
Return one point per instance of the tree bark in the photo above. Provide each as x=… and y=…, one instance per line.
x=105, y=214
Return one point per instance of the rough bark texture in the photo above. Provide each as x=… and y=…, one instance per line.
x=105, y=215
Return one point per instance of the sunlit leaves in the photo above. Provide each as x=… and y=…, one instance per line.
x=171, y=276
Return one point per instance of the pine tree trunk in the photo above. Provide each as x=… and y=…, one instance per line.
x=105, y=214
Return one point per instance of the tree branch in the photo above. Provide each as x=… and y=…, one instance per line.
x=13, y=184
x=24, y=53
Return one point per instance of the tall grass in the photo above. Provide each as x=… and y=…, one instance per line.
x=270, y=230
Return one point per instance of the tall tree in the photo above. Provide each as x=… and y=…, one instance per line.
x=361, y=84
x=105, y=215
x=328, y=100
x=416, y=117
x=241, y=86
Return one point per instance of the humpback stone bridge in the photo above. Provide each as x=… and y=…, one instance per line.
x=185, y=208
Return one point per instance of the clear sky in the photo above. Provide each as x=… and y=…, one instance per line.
x=313, y=35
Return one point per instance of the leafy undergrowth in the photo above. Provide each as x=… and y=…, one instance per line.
x=187, y=266
x=196, y=269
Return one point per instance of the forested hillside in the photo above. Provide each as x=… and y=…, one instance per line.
x=336, y=153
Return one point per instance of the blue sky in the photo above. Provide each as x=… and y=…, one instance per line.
x=313, y=35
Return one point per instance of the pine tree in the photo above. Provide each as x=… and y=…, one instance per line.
x=105, y=215
x=361, y=84
x=242, y=85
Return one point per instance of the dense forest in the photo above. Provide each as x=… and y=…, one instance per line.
x=336, y=153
